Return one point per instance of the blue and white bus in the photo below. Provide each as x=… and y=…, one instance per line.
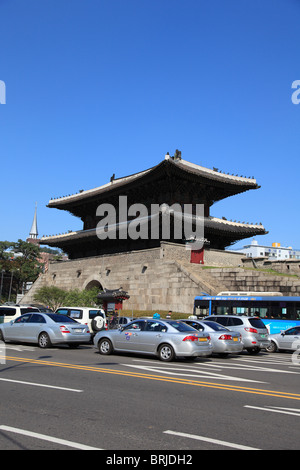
x=278, y=312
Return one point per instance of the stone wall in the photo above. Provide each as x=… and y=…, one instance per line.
x=153, y=284
x=163, y=278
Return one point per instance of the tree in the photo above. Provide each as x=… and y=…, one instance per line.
x=26, y=267
x=4, y=247
x=29, y=251
x=54, y=297
x=84, y=298
x=19, y=263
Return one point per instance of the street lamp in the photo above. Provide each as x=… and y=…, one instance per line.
x=11, y=279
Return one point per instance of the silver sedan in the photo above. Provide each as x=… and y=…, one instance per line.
x=45, y=330
x=165, y=339
x=224, y=341
x=288, y=339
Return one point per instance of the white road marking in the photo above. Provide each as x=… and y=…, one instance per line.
x=267, y=360
x=255, y=368
x=19, y=348
x=240, y=363
x=212, y=441
x=191, y=372
x=41, y=385
x=276, y=409
x=288, y=409
x=54, y=440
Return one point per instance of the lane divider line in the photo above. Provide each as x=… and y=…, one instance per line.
x=41, y=385
x=279, y=410
x=196, y=383
x=211, y=441
x=54, y=440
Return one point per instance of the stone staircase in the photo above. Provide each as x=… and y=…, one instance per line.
x=29, y=296
x=202, y=277
x=237, y=279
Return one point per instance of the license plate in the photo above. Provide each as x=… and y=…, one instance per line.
x=235, y=339
x=262, y=336
x=202, y=339
x=78, y=330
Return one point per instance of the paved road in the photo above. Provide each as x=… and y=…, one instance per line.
x=76, y=399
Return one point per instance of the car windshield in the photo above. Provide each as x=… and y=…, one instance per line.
x=61, y=318
x=216, y=326
x=180, y=326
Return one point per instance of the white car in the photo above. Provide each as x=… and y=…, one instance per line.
x=95, y=318
x=11, y=312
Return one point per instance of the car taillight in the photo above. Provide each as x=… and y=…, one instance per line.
x=190, y=338
x=251, y=330
x=64, y=329
x=226, y=337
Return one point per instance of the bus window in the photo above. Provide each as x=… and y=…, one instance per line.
x=201, y=311
x=222, y=310
x=258, y=312
x=201, y=308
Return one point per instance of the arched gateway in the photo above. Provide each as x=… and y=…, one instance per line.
x=92, y=284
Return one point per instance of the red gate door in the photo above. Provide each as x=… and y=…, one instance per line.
x=197, y=256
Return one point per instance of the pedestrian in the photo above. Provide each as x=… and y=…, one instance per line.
x=169, y=314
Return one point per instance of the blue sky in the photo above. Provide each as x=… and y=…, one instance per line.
x=96, y=87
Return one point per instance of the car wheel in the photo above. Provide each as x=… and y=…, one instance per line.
x=253, y=350
x=2, y=337
x=166, y=353
x=44, y=341
x=105, y=346
x=272, y=347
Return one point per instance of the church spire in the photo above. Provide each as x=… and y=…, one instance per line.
x=33, y=234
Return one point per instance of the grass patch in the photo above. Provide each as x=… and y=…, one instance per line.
x=150, y=313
